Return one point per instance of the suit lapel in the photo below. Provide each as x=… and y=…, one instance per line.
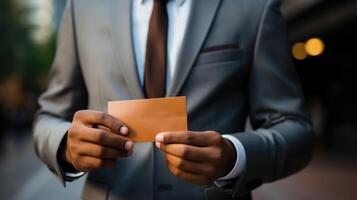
x=201, y=17
x=123, y=47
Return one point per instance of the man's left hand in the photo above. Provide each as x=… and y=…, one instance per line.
x=197, y=157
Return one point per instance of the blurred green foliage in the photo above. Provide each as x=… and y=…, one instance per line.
x=19, y=54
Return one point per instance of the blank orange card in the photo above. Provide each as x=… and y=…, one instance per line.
x=147, y=117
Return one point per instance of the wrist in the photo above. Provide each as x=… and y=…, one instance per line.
x=64, y=157
x=229, y=157
x=240, y=160
x=63, y=153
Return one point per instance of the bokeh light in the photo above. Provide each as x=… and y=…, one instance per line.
x=298, y=51
x=314, y=47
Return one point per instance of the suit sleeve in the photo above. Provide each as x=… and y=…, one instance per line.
x=65, y=94
x=281, y=142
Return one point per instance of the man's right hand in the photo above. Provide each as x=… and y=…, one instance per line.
x=95, y=140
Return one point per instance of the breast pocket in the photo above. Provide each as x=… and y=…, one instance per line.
x=220, y=56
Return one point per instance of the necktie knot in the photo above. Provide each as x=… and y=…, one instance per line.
x=160, y=1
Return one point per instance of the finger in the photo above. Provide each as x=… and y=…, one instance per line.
x=186, y=152
x=105, y=138
x=97, y=118
x=88, y=163
x=95, y=150
x=200, y=139
x=123, y=130
x=189, y=166
x=193, y=178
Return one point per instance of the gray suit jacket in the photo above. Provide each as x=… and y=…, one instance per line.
x=234, y=64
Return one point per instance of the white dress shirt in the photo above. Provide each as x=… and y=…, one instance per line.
x=178, y=12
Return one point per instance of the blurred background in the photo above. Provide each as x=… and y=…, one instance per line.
x=323, y=37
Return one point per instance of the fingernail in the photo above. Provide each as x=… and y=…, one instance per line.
x=159, y=138
x=124, y=130
x=157, y=144
x=128, y=145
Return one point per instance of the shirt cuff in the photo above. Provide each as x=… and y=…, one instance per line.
x=239, y=165
x=72, y=176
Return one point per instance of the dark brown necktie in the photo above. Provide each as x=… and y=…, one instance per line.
x=155, y=58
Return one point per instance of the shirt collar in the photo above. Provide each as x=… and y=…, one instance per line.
x=178, y=2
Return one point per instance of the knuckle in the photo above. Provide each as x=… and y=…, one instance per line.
x=101, y=151
x=116, y=127
x=77, y=114
x=189, y=137
x=185, y=152
x=173, y=170
x=180, y=164
x=112, y=121
x=75, y=132
x=178, y=173
x=100, y=136
x=216, y=137
x=72, y=131
x=103, y=117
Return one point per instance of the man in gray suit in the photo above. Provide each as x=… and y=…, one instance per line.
x=230, y=58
